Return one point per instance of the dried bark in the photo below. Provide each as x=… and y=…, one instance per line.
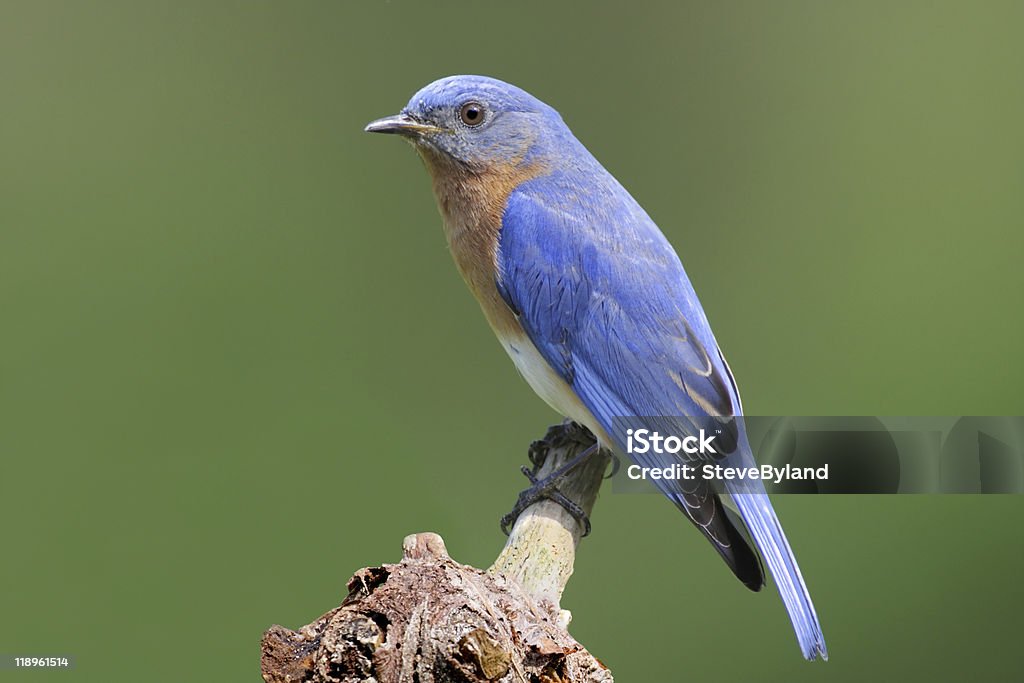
x=430, y=619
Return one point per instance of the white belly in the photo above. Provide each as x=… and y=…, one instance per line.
x=547, y=383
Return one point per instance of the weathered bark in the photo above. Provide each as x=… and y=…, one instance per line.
x=430, y=619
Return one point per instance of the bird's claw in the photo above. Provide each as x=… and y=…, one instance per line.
x=546, y=488
x=616, y=464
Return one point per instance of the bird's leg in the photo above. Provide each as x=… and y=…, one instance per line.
x=546, y=488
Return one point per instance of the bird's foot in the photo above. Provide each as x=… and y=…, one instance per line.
x=547, y=488
x=542, y=489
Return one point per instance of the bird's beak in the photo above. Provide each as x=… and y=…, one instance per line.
x=402, y=124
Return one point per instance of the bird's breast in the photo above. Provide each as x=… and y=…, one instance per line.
x=472, y=204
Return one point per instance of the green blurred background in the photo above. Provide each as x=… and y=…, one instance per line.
x=237, y=364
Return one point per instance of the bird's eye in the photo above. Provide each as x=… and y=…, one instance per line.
x=472, y=113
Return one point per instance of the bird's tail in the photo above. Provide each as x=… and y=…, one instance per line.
x=764, y=527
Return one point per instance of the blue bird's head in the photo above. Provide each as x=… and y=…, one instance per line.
x=476, y=122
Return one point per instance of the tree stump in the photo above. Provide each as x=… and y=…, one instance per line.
x=430, y=619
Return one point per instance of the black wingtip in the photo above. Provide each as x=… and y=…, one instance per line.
x=743, y=560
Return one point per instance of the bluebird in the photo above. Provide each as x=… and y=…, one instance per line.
x=591, y=302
